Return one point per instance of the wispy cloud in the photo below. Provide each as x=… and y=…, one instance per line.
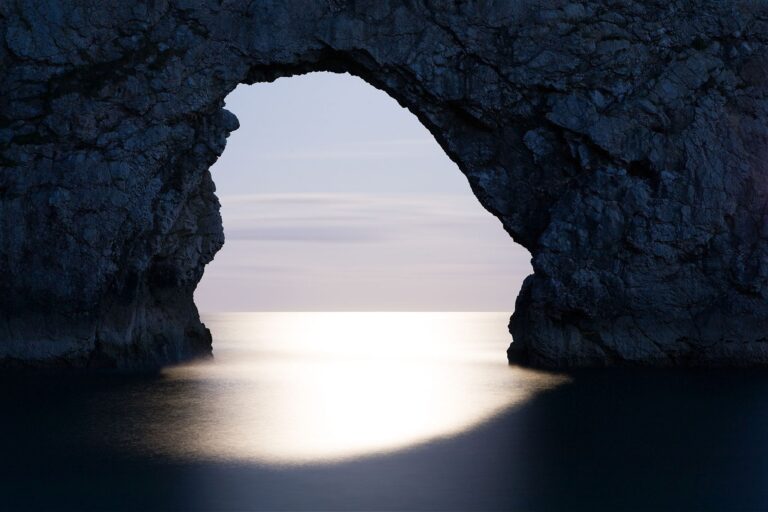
x=348, y=217
x=378, y=149
x=341, y=251
x=304, y=234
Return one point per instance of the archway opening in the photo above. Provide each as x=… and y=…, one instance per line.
x=362, y=294
x=336, y=198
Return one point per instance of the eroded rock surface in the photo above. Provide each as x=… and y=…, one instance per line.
x=624, y=143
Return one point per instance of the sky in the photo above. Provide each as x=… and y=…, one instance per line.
x=336, y=198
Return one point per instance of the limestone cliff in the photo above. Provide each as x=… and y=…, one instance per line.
x=623, y=142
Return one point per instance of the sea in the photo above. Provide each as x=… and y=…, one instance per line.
x=381, y=411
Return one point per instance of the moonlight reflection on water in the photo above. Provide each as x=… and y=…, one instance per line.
x=292, y=388
x=381, y=411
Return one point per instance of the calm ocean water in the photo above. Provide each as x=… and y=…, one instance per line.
x=373, y=411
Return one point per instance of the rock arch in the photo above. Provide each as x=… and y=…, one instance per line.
x=622, y=142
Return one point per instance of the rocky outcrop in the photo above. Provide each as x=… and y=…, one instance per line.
x=623, y=142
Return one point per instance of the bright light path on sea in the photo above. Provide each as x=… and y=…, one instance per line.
x=291, y=388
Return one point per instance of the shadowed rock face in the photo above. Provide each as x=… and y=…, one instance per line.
x=624, y=143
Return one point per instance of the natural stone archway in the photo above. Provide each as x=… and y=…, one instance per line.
x=624, y=143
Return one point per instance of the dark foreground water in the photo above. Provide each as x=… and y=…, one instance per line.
x=308, y=412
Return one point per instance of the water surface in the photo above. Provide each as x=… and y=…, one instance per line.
x=312, y=387
x=374, y=411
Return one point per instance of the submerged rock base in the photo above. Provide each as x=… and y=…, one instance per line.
x=624, y=144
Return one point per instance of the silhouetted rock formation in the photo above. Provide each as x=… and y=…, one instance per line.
x=624, y=143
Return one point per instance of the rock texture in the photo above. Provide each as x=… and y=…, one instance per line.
x=623, y=142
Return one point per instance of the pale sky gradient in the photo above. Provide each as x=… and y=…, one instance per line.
x=335, y=198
